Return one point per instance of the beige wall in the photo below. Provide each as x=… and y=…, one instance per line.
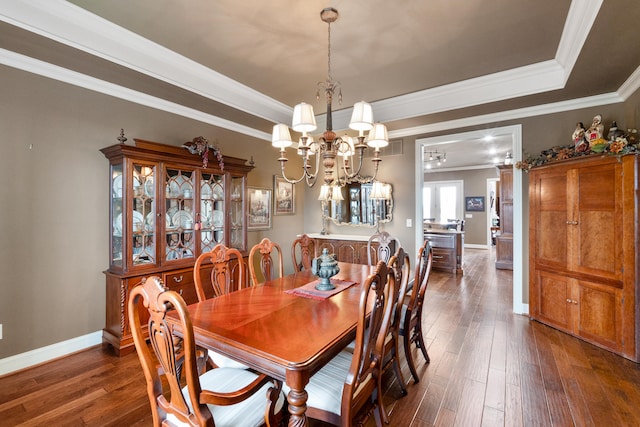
x=54, y=192
x=54, y=215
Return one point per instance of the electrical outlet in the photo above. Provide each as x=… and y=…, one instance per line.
x=0, y=331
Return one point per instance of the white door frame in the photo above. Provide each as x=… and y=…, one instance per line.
x=515, y=131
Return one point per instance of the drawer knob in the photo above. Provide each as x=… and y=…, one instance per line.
x=178, y=279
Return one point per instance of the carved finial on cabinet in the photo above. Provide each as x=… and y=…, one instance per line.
x=122, y=138
x=251, y=162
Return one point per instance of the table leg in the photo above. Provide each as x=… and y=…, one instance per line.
x=297, y=408
x=297, y=398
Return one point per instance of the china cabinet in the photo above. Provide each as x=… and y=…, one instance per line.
x=166, y=209
x=504, y=237
x=582, y=249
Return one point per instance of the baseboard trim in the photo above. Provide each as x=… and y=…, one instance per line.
x=40, y=355
x=476, y=246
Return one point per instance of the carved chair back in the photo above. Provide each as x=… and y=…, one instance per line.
x=303, y=250
x=411, y=327
x=387, y=244
x=176, y=358
x=226, y=274
x=364, y=379
x=261, y=257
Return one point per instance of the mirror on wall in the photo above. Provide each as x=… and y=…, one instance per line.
x=363, y=205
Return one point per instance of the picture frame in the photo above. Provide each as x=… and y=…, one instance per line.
x=284, y=200
x=259, y=208
x=474, y=204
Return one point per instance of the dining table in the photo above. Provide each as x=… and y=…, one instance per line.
x=279, y=329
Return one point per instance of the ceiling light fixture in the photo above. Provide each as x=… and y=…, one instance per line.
x=439, y=158
x=329, y=146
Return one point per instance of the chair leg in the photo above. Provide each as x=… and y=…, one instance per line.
x=379, y=413
x=407, y=352
x=398, y=371
x=417, y=333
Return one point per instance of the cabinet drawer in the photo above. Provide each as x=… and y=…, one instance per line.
x=182, y=282
x=443, y=258
x=440, y=241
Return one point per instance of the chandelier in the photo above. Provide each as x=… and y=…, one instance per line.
x=337, y=152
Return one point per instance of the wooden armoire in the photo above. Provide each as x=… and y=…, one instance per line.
x=583, y=257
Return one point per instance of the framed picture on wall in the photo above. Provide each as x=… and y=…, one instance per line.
x=284, y=196
x=259, y=208
x=474, y=204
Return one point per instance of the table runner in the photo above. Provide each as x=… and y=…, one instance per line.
x=309, y=290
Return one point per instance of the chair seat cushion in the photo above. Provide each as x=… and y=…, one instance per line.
x=402, y=316
x=325, y=386
x=223, y=361
x=249, y=412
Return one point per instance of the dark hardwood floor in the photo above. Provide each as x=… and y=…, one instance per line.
x=488, y=367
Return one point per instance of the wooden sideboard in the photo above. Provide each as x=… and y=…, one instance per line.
x=348, y=248
x=447, y=249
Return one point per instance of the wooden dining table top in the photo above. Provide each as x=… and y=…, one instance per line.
x=280, y=334
x=267, y=328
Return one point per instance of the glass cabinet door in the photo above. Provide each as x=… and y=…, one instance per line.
x=178, y=213
x=238, y=232
x=117, y=220
x=143, y=219
x=212, y=211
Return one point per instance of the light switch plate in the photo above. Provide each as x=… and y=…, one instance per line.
x=409, y=223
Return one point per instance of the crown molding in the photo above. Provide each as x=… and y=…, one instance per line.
x=55, y=72
x=630, y=86
x=73, y=26
x=503, y=116
x=582, y=14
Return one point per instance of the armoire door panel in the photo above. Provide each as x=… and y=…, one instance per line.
x=599, y=317
x=551, y=238
x=554, y=292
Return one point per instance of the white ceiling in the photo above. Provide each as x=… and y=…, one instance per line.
x=426, y=66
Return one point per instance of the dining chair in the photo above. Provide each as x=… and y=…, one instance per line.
x=411, y=326
x=222, y=261
x=229, y=396
x=303, y=250
x=264, y=252
x=349, y=381
x=387, y=244
x=400, y=266
x=223, y=269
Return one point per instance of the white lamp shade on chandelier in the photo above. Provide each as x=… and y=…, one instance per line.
x=303, y=118
x=378, y=137
x=362, y=117
x=330, y=192
x=281, y=138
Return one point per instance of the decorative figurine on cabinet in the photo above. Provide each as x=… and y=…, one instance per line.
x=597, y=143
x=580, y=143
